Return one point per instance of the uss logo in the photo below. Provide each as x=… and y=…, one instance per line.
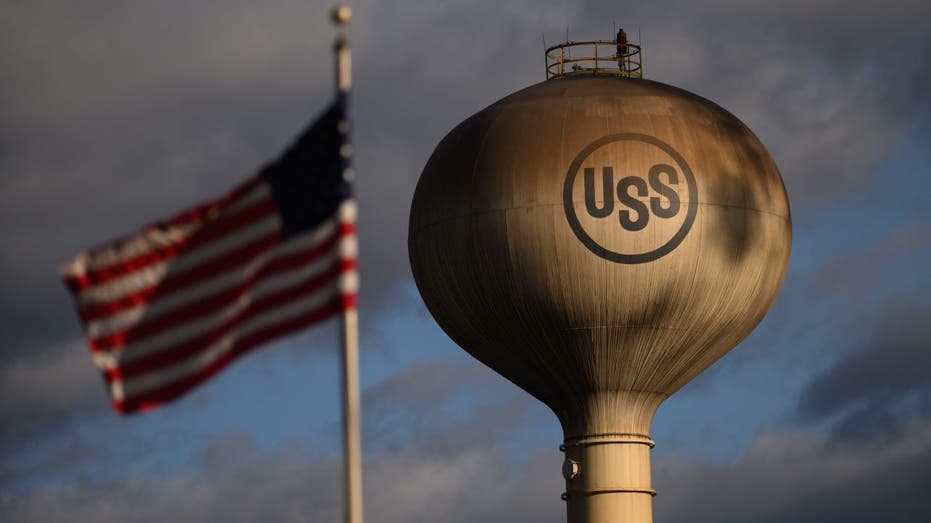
x=630, y=198
x=636, y=216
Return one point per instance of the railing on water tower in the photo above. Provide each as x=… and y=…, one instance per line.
x=594, y=58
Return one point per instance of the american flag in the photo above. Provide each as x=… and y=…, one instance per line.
x=169, y=307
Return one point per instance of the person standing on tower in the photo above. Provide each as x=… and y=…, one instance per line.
x=621, y=50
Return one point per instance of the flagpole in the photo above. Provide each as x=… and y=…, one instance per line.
x=352, y=441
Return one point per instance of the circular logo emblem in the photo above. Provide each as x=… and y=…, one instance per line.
x=630, y=198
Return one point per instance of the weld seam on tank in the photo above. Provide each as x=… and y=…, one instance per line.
x=545, y=205
x=607, y=490
x=607, y=439
x=746, y=208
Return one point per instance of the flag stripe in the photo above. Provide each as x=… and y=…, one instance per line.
x=145, y=376
x=281, y=256
x=255, y=237
x=81, y=271
x=202, y=236
x=243, y=194
x=185, y=340
x=297, y=268
x=169, y=391
x=218, y=265
x=256, y=253
x=172, y=283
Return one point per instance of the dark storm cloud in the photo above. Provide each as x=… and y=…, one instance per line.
x=794, y=477
x=875, y=389
x=900, y=252
x=116, y=117
x=417, y=76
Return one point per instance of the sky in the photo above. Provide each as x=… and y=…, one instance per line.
x=114, y=114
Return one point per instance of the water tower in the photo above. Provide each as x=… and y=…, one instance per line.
x=600, y=239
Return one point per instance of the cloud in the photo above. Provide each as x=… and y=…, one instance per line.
x=415, y=480
x=873, y=391
x=784, y=476
x=102, y=132
x=447, y=406
x=45, y=389
x=51, y=380
x=795, y=477
x=40, y=396
x=245, y=484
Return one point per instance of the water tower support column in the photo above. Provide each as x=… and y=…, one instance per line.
x=607, y=465
x=608, y=479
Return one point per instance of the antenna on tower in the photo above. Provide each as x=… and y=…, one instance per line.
x=640, y=45
x=569, y=50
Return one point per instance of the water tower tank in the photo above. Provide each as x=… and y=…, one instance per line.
x=600, y=239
